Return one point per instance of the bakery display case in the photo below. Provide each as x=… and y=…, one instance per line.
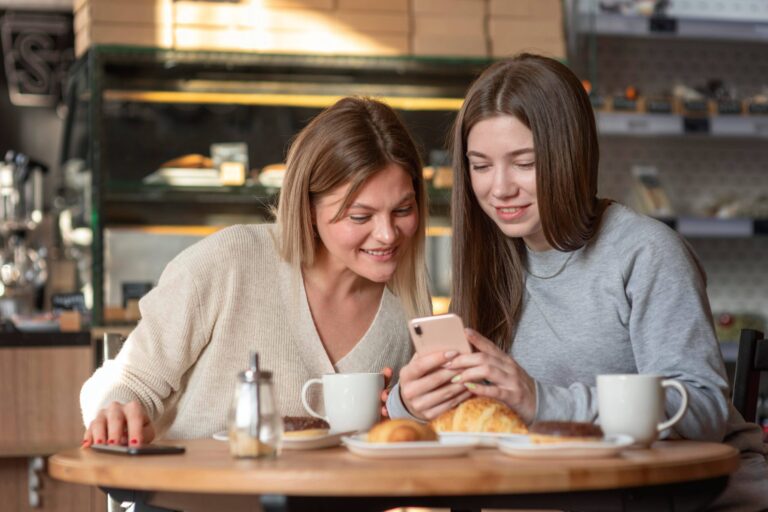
x=679, y=91
x=148, y=126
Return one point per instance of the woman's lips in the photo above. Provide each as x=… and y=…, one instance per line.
x=511, y=212
x=381, y=254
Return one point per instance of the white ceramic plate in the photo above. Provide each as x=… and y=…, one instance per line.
x=489, y=439
x=443, y=448
x=313, y=442
x=299, y=443
x=610, y=446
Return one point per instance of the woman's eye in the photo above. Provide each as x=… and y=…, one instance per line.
x=358, y=218
x=404, y=212
x=526, y=165
x=478, y=167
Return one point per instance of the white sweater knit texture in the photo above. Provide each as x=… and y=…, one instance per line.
x=217, y=301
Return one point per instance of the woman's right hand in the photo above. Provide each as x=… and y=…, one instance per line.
x=120, y=424
x=425, y=385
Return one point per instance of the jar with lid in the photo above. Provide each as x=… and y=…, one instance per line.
x=255, y=425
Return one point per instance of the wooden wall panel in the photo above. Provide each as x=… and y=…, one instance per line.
x=55, y=496
x=39, y=393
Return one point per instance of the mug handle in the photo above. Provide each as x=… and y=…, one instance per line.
x=304, y=402
x=671, y=383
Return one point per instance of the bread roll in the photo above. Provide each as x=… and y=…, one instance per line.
x=400, y=431
x=548, y=432
x=480, y=414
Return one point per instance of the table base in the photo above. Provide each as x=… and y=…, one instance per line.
x=680, y=497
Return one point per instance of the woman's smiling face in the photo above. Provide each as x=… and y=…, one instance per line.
x=502, y=168
x=374, y=232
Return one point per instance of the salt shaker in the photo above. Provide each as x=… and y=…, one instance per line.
x=255, y=425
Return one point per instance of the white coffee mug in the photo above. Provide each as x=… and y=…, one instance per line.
x=352, y=400
x=633, y=404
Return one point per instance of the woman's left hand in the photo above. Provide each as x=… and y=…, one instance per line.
x=506, y=380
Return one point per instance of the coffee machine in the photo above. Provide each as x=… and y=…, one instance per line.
x=23, y=269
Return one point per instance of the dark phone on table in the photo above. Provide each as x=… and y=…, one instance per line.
x=147, y=449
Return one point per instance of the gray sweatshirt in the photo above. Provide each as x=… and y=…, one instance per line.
x=631, y=301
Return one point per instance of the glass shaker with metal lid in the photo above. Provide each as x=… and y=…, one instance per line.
x=255, y=425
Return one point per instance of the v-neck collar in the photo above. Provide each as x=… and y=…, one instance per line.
x=305, y=335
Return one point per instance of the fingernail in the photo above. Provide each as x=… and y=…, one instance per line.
x=456, y=379
x=450, y=354
x=99, y=441
x=469, y=331
x=84, y=442
x=111, y=441
x=134, y=441
x=470, y=385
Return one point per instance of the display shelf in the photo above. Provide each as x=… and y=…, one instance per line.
x=143, y=193
x=637, y=124
x=702, y=227
x=671, y=27
x=132, y=109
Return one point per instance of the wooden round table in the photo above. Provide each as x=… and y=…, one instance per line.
x=682, y=468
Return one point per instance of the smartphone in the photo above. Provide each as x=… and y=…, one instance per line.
x=439, y=333
x=146, y=449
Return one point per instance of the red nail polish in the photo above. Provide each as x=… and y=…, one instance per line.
x=111, y=441
x=134, y=441
x=99, y=441
x=84, y=441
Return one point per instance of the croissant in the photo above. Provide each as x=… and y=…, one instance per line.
x=401, y=431
x=480, y=414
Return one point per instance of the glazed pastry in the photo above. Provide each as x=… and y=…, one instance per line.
x=546, y=432
x=304, y=426
x=400, y=431
x=480, y=414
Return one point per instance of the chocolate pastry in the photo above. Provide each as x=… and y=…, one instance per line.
x=564, y=431
x=296, y=423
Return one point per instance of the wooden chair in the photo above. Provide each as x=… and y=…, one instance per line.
x=751, y=361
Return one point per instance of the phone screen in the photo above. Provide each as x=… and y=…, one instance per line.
x=147, y=449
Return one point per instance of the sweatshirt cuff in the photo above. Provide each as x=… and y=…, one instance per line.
x=395, y=406
x=553, y=403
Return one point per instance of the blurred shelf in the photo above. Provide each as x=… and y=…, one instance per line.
x=702, y=227
x=646, y=125
x=138, y=203
x=20, y=339
x=183, y=76
x=274, y=99
x=143, y=193
x=671, y=27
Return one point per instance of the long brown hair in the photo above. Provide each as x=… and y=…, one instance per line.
x=488, y=279
x=348, y=143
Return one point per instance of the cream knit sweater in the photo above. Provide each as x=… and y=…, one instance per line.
x=217, y=301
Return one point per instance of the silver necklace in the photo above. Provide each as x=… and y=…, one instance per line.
x=556, y=273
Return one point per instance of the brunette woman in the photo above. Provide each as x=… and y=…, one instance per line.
x=559, y=285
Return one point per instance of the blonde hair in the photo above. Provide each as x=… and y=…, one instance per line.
x=346, y=144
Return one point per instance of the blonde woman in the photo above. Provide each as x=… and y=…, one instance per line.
x=326, y=289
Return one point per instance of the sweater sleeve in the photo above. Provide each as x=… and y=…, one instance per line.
x=671, y=334
x=395, y=406
x=172, y=332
